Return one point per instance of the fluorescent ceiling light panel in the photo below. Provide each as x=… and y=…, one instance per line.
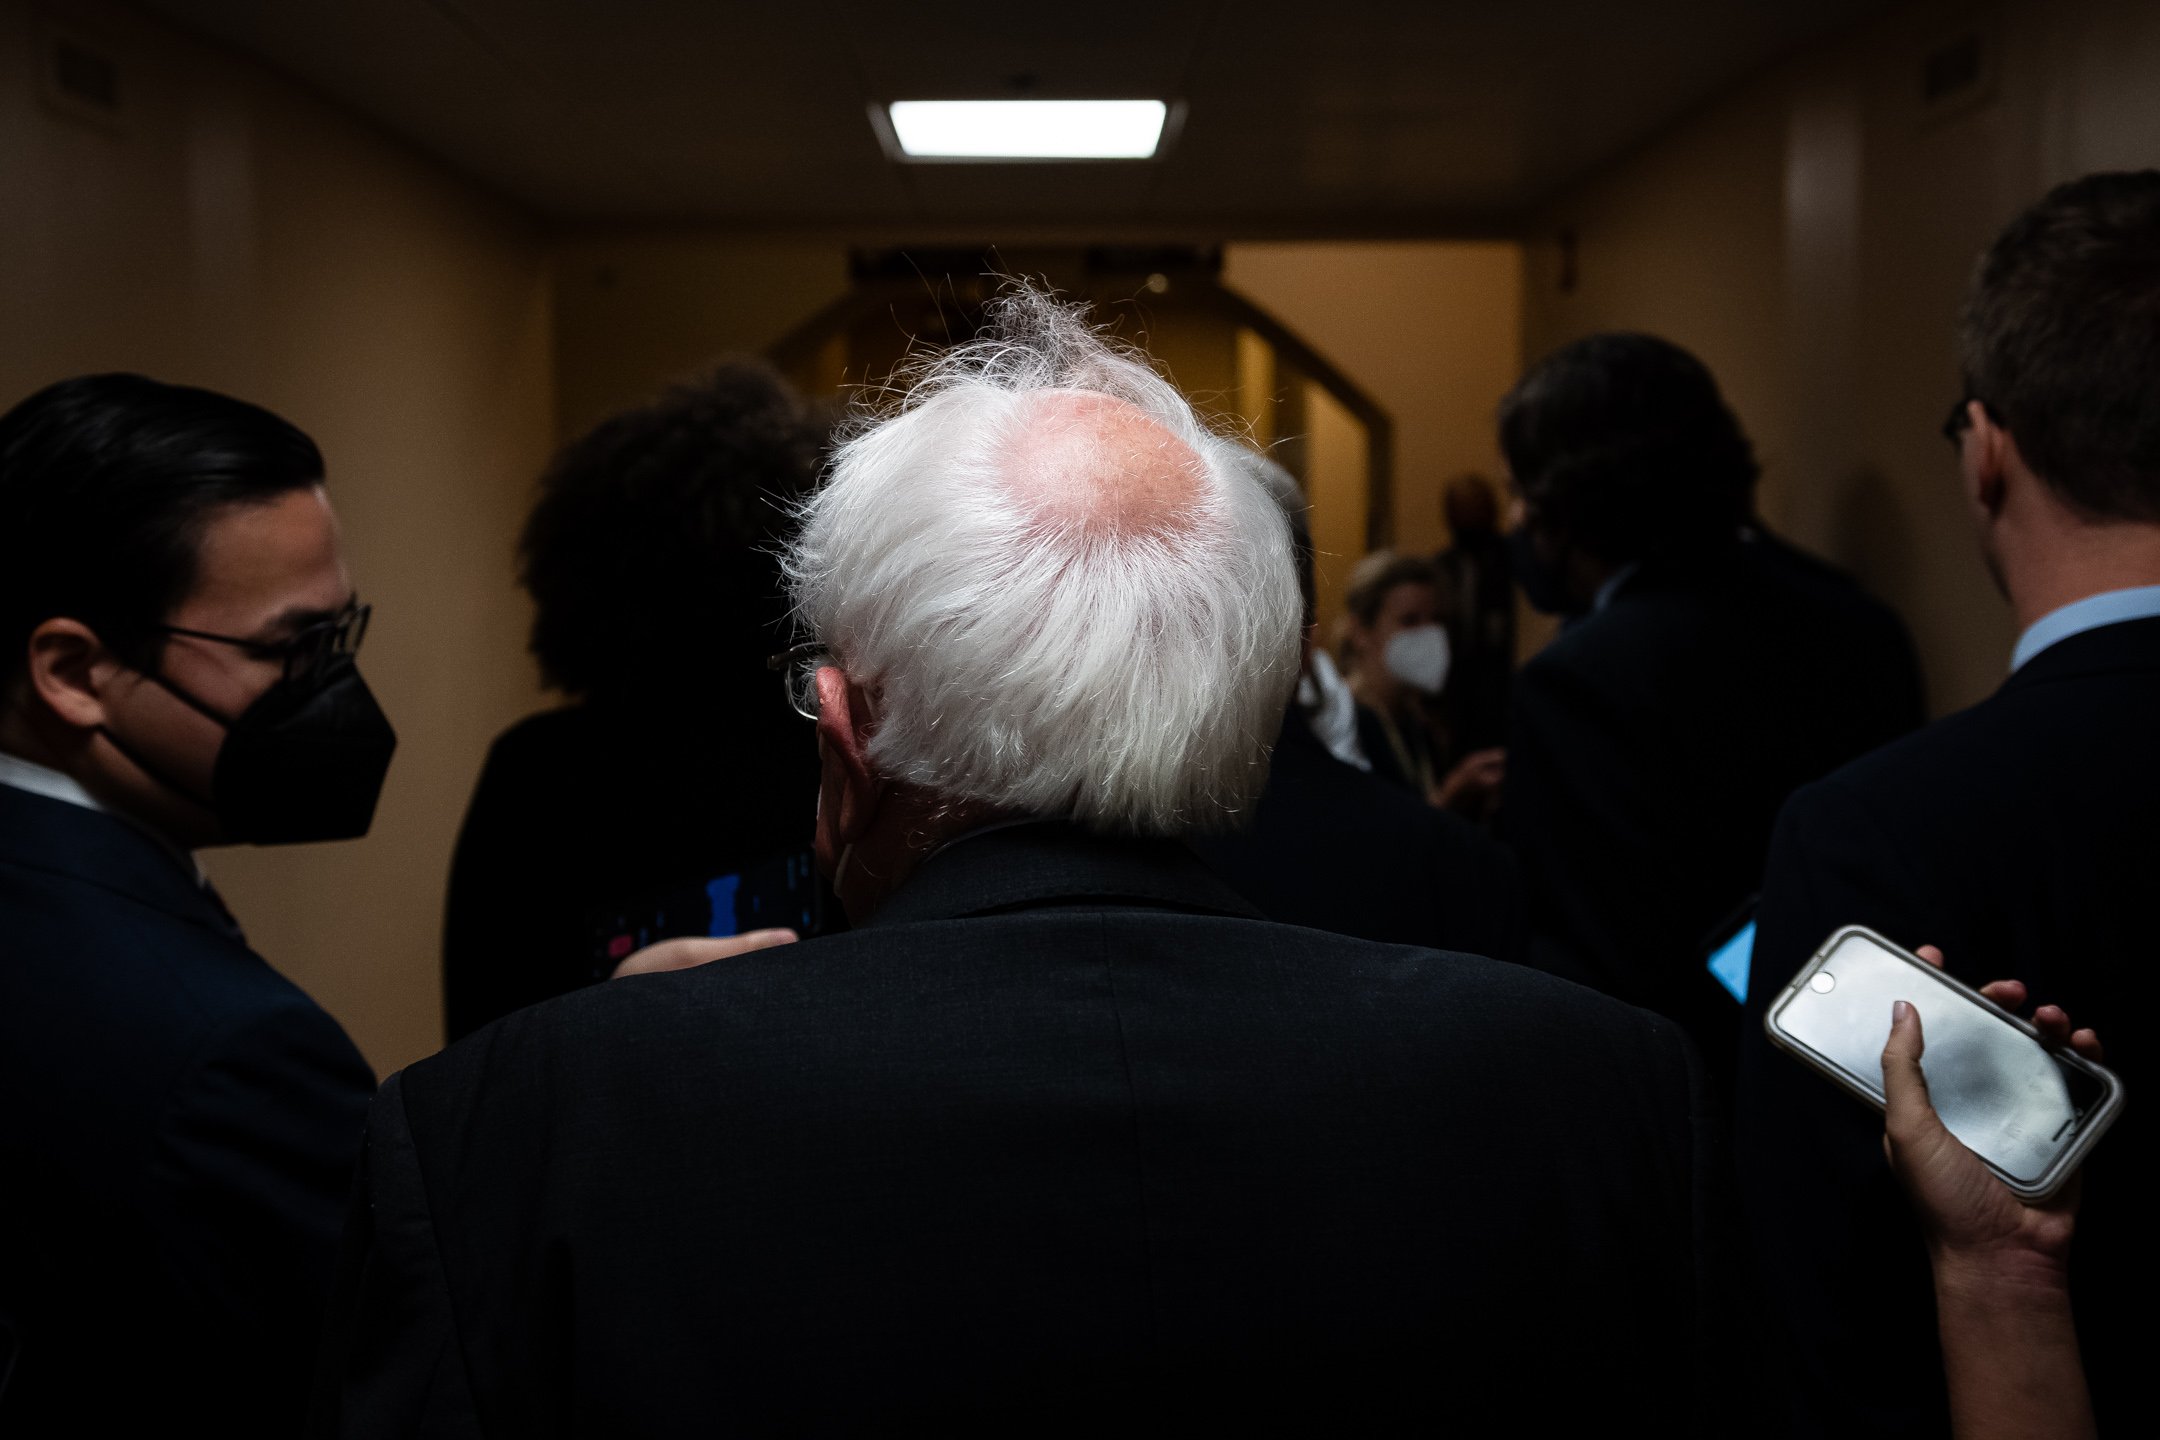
x=1028, y=129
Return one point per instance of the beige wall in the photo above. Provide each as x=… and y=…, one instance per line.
x=1432, y=330
x=635, y=311
x=1809, y=237
x=239, y=234
x=1337, y=456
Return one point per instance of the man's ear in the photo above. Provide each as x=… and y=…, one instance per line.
x=68, y=669
x=844, y=728
x=1989, y=452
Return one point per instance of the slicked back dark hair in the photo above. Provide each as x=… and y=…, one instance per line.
x=2061, y=337
x=648, y=553
x=1623, y=443
x=107, y=483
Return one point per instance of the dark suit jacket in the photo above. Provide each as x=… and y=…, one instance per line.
x=1477, y=589
x=590, y=808
x=1336, y=848
x=177, y=1146
x=2023, y=837
x=1065, y=1135
x=1654, y=741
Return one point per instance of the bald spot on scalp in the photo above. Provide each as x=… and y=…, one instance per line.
x=1100, y=465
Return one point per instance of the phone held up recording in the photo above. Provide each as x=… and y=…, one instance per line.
x=2031, y=1112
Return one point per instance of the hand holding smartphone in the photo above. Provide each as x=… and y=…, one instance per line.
x=2029, y=1111
x=2002, y=1283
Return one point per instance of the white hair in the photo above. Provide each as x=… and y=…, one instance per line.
x=1033, y=648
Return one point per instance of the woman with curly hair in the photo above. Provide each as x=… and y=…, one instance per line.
x=649, y=557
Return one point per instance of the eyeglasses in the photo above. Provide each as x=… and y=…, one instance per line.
x=798, y=667
x=307, y=649
x=1960, y=421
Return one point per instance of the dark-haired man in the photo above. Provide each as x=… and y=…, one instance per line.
x=176, y=636
x=1705, y=672
x=2019, y=835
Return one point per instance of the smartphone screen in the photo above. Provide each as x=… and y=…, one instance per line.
x=784, y=892
x=1729, y=953
x=1731, y=960
x=2019, y=1105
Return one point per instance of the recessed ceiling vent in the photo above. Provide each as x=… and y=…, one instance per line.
x=79, y=77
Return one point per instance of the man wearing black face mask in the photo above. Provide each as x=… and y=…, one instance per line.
x=1705, y=671
x=182, y=1122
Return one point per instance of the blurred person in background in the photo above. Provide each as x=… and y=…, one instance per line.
x=1477, y=604
x=2020, y=834
x=657, y=602
x=1337, y=848
x=182, y=1122
x=1700, y=678
x=1062, y=1134
x=1396, y=659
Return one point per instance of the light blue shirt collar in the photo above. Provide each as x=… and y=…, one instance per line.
x=2109, y=607
x=43, y=780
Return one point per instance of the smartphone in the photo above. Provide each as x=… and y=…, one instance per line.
x=1731, y=951
x=2032, y=1113
x=782, y=892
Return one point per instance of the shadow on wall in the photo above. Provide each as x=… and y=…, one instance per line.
x=1877, y=537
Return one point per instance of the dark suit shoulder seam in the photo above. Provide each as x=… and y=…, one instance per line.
x=223, y=1040
x=2021, y=682
x=393, y=1092
x=91, y=882
x=183, y=1087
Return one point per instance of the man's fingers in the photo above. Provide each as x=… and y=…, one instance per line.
x=688, y=953
x=2052, y=1021
x=761, y=940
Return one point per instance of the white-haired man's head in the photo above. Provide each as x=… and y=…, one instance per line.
x=1060, y=593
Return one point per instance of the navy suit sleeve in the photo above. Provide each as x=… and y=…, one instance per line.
x=392, y=1363
x=1847, y=1343
x=254, y=1159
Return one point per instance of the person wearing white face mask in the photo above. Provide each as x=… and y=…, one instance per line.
x=1395, y=656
